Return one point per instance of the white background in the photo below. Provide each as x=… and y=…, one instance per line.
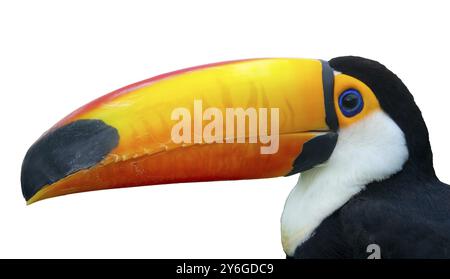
x=56, y=56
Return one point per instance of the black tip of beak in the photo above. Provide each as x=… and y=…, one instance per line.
x=64, y=151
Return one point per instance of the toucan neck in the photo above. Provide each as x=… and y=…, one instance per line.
x=324, y=189
x=413, y=171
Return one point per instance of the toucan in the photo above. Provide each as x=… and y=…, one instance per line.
x=349, y=126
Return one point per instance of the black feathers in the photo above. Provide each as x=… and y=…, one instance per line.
x=406, y=216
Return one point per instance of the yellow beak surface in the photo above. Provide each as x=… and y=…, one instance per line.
x=185, y=126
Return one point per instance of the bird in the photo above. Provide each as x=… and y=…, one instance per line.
x=349, y=126
x=382, y=178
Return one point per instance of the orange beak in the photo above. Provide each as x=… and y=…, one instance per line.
x=233, y=120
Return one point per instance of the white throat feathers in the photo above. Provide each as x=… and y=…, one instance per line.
x=370, y=150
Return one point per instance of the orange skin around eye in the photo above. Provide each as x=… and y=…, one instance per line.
x=344, y=82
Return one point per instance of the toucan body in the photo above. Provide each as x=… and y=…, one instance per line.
x=349, y=126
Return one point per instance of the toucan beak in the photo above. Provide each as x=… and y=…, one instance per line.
x=242, y=119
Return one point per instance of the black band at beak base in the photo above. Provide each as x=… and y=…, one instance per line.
x=328, y=91
x=319, y=149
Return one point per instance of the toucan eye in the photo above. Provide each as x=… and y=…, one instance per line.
x=351, y=102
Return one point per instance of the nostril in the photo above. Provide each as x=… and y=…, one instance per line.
x=64, y=151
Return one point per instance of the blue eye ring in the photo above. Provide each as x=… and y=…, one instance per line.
x=351, y=102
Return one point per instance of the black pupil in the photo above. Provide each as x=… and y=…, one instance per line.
x=350, y=101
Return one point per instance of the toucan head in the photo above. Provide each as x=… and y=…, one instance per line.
x=397, y=103
x=243, y=119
